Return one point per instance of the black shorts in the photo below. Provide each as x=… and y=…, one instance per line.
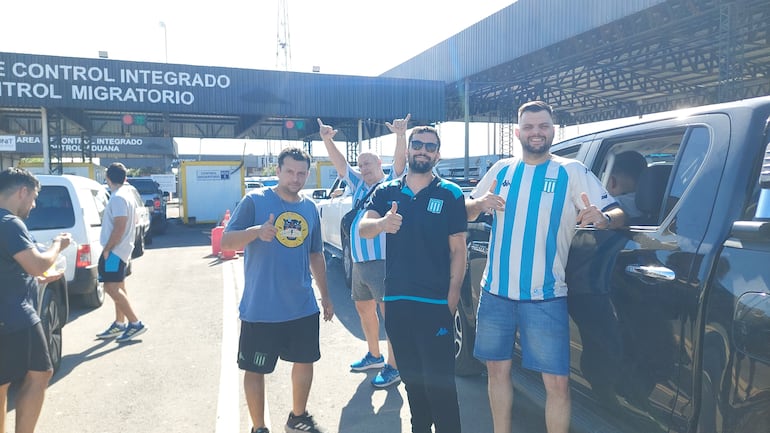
x=262, y=343
x=23, y=351
x=112, y=270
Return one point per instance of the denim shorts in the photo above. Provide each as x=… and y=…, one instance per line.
x=543, y=332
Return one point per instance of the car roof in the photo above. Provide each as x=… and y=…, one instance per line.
x=67, y=179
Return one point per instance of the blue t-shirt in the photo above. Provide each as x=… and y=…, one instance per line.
x=278, y=282
x=417, y=266
x=361, y=249
x=18, y=289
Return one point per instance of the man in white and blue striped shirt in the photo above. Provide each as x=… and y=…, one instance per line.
x=536, y=200
x=368, y=286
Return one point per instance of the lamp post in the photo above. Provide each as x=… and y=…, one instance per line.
x=165, y=39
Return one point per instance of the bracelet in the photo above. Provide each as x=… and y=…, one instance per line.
x=609, y=218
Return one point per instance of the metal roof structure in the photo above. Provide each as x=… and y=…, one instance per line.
x=111, y=98
x=596, y=60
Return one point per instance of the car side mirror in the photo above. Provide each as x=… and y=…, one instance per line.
x=319, y=194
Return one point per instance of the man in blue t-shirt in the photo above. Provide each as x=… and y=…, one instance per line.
x=536, y=200
x=24, y=352
x=368, y=274
x=425, y=220
x=279, y=232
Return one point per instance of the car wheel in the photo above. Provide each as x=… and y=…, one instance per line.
x=347, y=262
x=139, y=245
x=465, y=363
x=51, y=316
x=95, y=298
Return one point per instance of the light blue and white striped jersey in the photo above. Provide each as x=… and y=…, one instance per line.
x=363, y=250
x=530, y=239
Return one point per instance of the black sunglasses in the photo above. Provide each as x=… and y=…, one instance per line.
x=429, y=147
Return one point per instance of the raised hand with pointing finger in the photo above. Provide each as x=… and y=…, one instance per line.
x=267, y=231
x=392, y=220
x=325, y=131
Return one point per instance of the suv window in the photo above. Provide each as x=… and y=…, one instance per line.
x=674, y=157
x=53, y=210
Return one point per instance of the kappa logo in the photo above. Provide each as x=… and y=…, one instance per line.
x=506, y=182
x=441, y=332
x=604, y=196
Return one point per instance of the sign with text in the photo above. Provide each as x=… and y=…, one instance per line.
x=32, y=144
x=32, y=81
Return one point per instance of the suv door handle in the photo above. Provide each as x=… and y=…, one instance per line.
x=656, y=272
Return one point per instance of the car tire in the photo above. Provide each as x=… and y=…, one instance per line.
x=139, y=245
x=51, y=316
x=347, y=262
x=464, y=333
x=95, y=298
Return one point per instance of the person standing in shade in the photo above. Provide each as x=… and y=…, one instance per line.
x=117, y=238
x=425, y=220
x=368, y=282
x=536, y=200
x=279, y=231
x=24, y=355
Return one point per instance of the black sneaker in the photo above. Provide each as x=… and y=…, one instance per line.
x=301, y=424
x=260, y=430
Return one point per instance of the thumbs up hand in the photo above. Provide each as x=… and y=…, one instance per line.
x=267, y=231
x=490, y=201
x=591, y=215
x=391, y=222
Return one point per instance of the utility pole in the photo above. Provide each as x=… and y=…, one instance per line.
x=283, y=50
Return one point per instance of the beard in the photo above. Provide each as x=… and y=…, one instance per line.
x=420, y=166
x=537, y=150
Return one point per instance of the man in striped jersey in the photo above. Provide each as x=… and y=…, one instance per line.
x=368, y=285
x=535, y=200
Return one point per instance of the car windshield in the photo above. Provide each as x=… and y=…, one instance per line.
x=53, y=210
x=144, y=186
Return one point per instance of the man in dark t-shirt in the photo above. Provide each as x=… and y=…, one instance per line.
x=425, y=220
x=23, y=348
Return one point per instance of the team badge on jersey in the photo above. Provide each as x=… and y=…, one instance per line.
x=435, y=205
x=549, y=185
x=292, y=229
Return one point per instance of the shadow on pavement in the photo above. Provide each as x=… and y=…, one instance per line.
x=360, y=415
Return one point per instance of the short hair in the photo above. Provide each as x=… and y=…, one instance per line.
x=535, y=107
x=631, y=163
x=426, y=128
x=13, y=178
x=295, y=153
x=116, y=173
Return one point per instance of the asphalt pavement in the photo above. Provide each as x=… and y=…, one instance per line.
x=182, y=376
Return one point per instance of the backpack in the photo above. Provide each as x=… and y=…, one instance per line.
x=347, y=219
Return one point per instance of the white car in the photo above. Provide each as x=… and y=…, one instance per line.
x=76, y=204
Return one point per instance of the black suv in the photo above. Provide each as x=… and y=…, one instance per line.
x=670, y=315
x=153, y=198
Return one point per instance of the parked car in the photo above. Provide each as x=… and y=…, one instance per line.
x=52, y=306
x=669, y=317
x=154, y=199
x=73, y=204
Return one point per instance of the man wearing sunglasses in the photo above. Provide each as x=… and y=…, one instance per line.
x=535, y=200
x=425, y=220
x=368, y=255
